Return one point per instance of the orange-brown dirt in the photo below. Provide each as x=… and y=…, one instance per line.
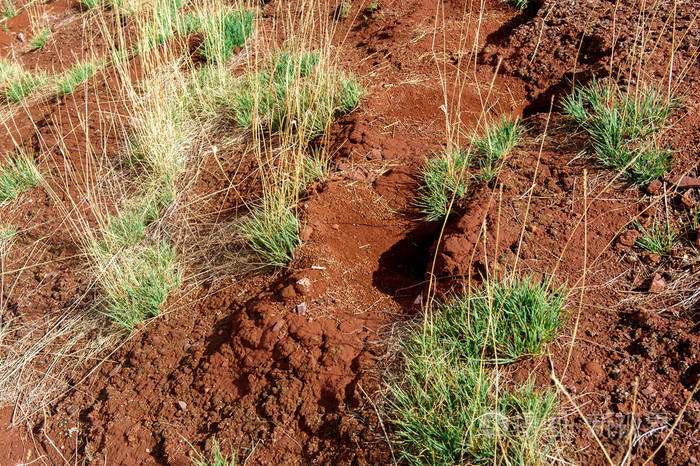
x=240, y=361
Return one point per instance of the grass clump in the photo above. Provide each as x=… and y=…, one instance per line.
x=342, y=11
x=514, y=317
x=272, y=230
x=41, y=39
x=296, y=95
x=212, y=92
x=445, y=176
x=449, y=408
x=9, y=10
x=499, y=138
x=519, y=4
x=7, y=232
x=224, y=31
x=623, y=125
x=659, y=238
x=216, y=457
x=8, y=71
x=24, y=84
x=17, y=175
x=297, y=91
x=128, y=227
x=77, y=75
x=136, y=281
x=159, y=136
x=166, y=20
x=90, y=4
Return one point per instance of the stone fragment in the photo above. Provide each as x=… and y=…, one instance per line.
x=654, y=187
x=374, y=154
x=303, y=286
x=687, y=200
x=657, y=284
x=686, y=182
x=650, y=258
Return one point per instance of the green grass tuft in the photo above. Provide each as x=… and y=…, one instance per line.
x=90, y=4
x=8, y=71
x=136, y=281
x=17, y=175
x=7, y=232
x=224, y=31
x=23, y=85
x=40, y=39
x=129, y=226
x=293, y=93
x=216, y=457
x=167, y=20
x=444, y=176
x=623, y=126
x=272, y=230
x=449, y=408
x=499, y=138
x=515, y=318
x=9, y=10
x=519, y=4
x=75, y=76
x=342, y=11
x=659, y=238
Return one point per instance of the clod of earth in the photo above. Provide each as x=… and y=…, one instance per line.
x=628, y=238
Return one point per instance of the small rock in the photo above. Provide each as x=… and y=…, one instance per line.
x=303, y=286
x=657, y=284
x=654, y=188
x=687, y=200
x=20, y=37
x=648, y=391
x=684, y=182
x=335, y=226
x=114, y=371
x=651, y=258
x=355, y=175
x=182, y=405
x=306, y=232
x=278, y=325
x=301, y=308
x=374, y=154
x=288, y=293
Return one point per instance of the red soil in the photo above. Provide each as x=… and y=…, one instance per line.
x=240, y=360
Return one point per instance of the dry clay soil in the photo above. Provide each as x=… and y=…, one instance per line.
x=237, y=361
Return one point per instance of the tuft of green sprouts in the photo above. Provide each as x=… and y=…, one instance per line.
x=624, y=126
